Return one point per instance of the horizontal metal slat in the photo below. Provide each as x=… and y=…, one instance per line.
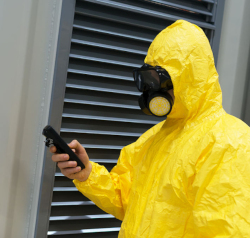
x=111, y=47
x=105, y=98
x=75, y=71
x=145, y=11
x=101, y=104
x=85, y=9
x=106, y=147
x=104, y=60
x=65, y=189
x=59, y=175
x=209, y=1
x=113, y=33
x=103, y=161
x=89, y=15
x=98, y=89
x=76, y=203
x=77, y=224
x=122, y=20
x=111, y=229
x=101, y=67
x=180, y=6
x=112, y=161
x=93, y=81
x=107, y=39
x=85, y=217
x=95, y=132
x=95, y=110
x=109, y=119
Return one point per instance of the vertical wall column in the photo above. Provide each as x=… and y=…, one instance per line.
x=29, y=33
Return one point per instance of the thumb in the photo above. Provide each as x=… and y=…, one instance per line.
x=79, y=150
x=74, y=144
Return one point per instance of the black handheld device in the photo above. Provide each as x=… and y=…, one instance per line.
x=53, y=138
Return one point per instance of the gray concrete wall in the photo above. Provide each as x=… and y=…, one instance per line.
x=29, y=31
x=233, y=60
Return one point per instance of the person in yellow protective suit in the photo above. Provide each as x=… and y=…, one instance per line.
x=188, y=176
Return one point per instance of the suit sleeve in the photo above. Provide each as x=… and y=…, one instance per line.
x=222, y=198
x=110, y=191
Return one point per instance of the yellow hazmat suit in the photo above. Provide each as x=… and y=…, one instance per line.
x=188, y=176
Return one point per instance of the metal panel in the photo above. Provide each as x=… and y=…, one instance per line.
x=56, y=108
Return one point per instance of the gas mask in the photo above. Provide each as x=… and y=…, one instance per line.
x=154, y=82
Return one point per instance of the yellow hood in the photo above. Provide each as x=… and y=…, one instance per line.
x=184, y=51
x=187, y=176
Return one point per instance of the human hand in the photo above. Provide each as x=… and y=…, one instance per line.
x=68, y=168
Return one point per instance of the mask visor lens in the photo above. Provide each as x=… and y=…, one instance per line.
x=147, y=80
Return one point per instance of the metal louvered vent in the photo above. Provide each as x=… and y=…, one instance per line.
x=110, y=39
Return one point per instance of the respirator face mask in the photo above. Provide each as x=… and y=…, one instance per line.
x=154, y=82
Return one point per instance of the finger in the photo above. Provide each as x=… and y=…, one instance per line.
x=74, y=150
x=52, y=149
x=60, y=157
x=77, y=146
x=80, y=151
x=71, y=172
x=66, y=164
